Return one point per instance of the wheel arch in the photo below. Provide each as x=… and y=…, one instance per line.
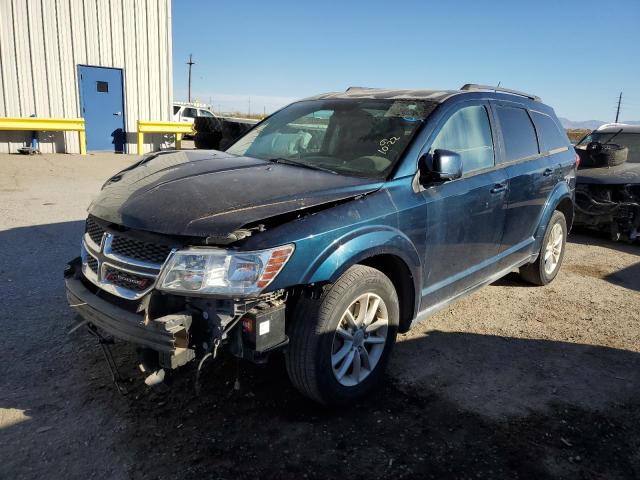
x=385, y=249
x=566, y=207
x=400, y=275
x=561, y=198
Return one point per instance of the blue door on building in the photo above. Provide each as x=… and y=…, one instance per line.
x=102, y=106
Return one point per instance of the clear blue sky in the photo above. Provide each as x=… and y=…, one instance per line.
x=577, y=55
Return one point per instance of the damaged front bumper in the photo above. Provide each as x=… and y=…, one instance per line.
x=167, y=335
x=611, y=208
x=171, y=331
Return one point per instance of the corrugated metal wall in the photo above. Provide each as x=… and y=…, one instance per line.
x=43, y=41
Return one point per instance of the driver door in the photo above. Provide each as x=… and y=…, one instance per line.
x=466, y=216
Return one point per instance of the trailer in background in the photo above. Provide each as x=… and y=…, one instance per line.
x=217, y=133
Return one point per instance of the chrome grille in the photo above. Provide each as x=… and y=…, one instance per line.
x=93, y=264
x=94, y=230
x=143, y=251
x=120, y=265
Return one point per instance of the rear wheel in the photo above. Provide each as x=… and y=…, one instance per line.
x=340, y=342
x=546, y=267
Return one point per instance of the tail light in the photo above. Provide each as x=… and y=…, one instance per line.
x=577, y=161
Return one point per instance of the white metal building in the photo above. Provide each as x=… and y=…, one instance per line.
x=108, y=61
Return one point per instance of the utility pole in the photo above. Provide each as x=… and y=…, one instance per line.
x=249, y=107
x=190, y=63
x=618, y=110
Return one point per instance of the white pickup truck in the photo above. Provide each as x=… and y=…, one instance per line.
x=188, y=112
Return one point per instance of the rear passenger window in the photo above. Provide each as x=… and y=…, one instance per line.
x=517, y=132
x=468, y=133
x=549, y=133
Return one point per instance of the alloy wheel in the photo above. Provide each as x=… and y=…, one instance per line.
x=553, y=249
x=359, y=339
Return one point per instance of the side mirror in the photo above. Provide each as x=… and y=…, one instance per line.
x=441, y=166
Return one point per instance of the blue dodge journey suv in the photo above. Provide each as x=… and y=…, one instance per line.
x=325, y=230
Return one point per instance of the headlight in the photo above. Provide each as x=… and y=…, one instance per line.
x=216, y=271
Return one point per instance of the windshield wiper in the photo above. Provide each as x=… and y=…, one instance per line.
x=288, y=161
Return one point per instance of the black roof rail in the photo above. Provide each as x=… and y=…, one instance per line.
x=473, y=86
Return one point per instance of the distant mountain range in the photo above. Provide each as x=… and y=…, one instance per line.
x=590, y=124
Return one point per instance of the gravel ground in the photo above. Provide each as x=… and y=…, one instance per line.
x=512, y=382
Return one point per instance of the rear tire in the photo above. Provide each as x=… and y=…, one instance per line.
x=328, y=364
x=547, y=266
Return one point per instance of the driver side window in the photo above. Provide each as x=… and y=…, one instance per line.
x=468, y=133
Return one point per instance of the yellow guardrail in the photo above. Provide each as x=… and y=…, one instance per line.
x=48, y=125
x=179, y=128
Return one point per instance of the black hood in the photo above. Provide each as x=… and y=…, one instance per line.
x=201, y=193
x=627, y=173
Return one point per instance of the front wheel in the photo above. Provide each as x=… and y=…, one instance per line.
x=547, y=266
x=340, y=342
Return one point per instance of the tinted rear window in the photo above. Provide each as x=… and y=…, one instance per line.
x=549, y=133
x=518, y=133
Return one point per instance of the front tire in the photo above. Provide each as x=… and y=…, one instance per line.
x=340, y=342
x=547, y=266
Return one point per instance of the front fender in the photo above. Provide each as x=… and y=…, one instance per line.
x=359, y=245
x=558, y=194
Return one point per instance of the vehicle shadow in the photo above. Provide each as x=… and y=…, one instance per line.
x=48, y=379
x=503, y=377
x=583, y=236
x=628, y=277
x=490, y=395
x=452, y=402
x=511, y=280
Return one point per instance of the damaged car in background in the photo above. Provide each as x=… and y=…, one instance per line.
x=323, y=231
x=608, y=183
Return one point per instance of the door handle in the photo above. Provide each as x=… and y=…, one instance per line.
x=547, y=172
x=117, y=113
x=499, y=187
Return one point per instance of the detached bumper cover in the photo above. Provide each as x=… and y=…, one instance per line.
x=116, y=321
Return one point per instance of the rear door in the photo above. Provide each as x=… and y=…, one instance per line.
x=102, y=106
x=532, y=176
x=465, y=217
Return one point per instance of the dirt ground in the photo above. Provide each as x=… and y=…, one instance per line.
x=512, y=382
